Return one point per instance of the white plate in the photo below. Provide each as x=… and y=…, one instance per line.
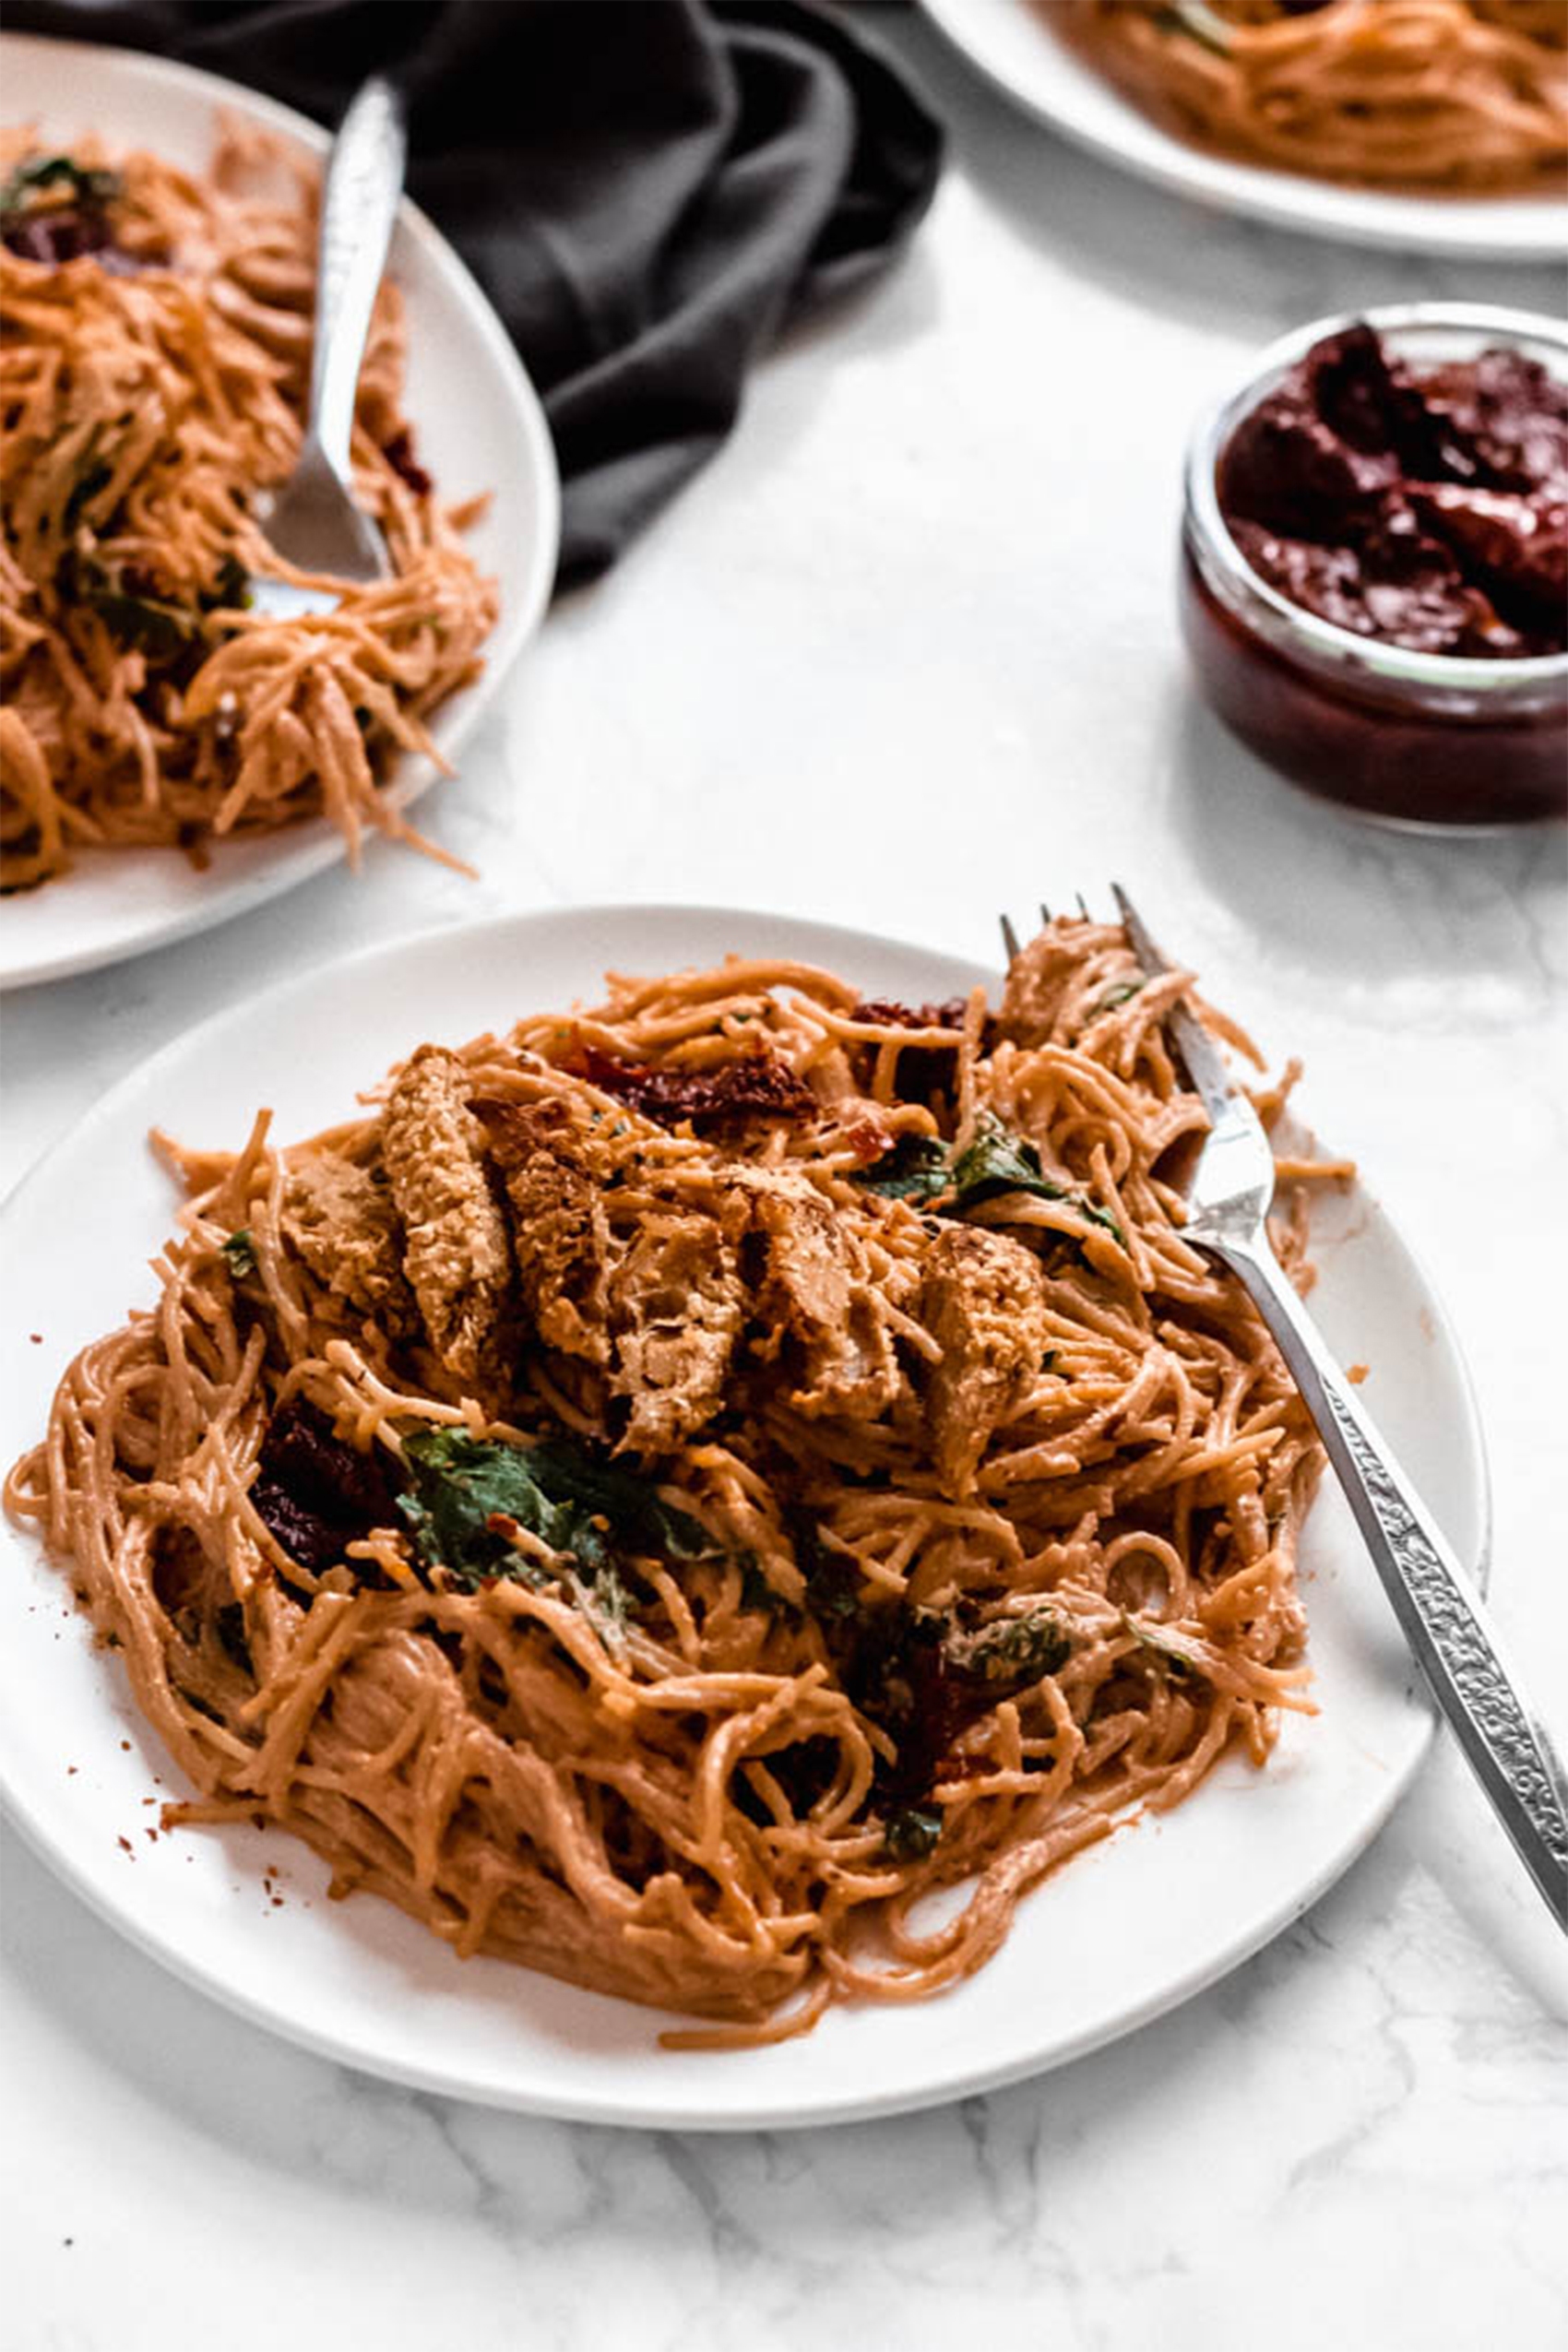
x=1123, y=1932
x=479, y=427
x=1012, y=46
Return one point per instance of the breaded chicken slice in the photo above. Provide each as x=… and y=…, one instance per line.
x=984, y=1304
x=816, y=1292
x=457, y=1254
x=559, y=1233
x=678, y=1305
x=345, y=1227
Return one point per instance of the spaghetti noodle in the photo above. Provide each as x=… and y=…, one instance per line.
x=666, y=1489
x=1465, y=95
x=153, y=369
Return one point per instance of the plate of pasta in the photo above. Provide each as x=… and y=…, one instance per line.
x=1437, y=125
x=672, y=1534
x=170, y=752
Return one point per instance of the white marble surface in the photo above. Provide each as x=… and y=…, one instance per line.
x=923, y=601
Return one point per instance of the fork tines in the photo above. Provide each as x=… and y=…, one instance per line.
x=1010, y=937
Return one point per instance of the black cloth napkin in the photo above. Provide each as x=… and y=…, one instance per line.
x=647, y=190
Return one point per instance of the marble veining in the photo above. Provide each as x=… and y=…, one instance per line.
x=906, y=652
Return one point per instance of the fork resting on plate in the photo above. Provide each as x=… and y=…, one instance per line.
x=1439, y=1611
x=316, y=522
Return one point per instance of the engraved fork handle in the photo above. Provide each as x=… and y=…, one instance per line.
x=359, y=205
x=1443, y=1616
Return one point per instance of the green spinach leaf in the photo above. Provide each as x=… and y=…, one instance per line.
x=1121, y=994
x=915, y=1169
x=1017, y=1649
x=833, y=1582
x=146, y=624
x=996, y=1161
x=240, y=1250
x=95, y=476
x=912, y=1833
x=231, y=589
x=1172, y=1649
x=143, y=622
x=76, y=182
x=993, y=1161
x=586, y=1509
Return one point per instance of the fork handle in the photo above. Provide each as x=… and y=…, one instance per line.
x=359, y=205
x=1442, y=1614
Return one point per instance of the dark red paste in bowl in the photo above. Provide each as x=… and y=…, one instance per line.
x=1374, y=585
x=1426, y=507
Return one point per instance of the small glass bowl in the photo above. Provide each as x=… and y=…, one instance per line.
x=1430, y=740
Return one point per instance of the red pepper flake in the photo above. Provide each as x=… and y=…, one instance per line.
x=37, y=1338
x=867, y=1141
x=125, y=1843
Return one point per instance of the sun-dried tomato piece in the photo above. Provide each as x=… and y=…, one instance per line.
x=892, y=1014
x=315, y=1494
x=399, y=455
x=757, y=1085
x=923, y=1070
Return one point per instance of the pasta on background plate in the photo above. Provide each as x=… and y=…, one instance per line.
x=1466, y=96
x=154, y=365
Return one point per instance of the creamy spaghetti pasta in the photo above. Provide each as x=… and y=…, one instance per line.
x=154, y=358
x=667, y=1487
x=1465, y=95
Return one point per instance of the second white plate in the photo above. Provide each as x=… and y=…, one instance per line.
x=479, y=428
x=1123, y=1932
x=1014, y=47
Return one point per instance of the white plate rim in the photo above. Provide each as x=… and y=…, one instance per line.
x=1039, y=75
x=591, y=929
x=279, y=862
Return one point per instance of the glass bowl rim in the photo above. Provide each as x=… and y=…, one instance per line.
x=1300, y=629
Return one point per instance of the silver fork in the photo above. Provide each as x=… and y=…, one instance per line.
x=1440, y=1613
x=314, y=522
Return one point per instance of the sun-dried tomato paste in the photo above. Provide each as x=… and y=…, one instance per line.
x=1427, y=507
